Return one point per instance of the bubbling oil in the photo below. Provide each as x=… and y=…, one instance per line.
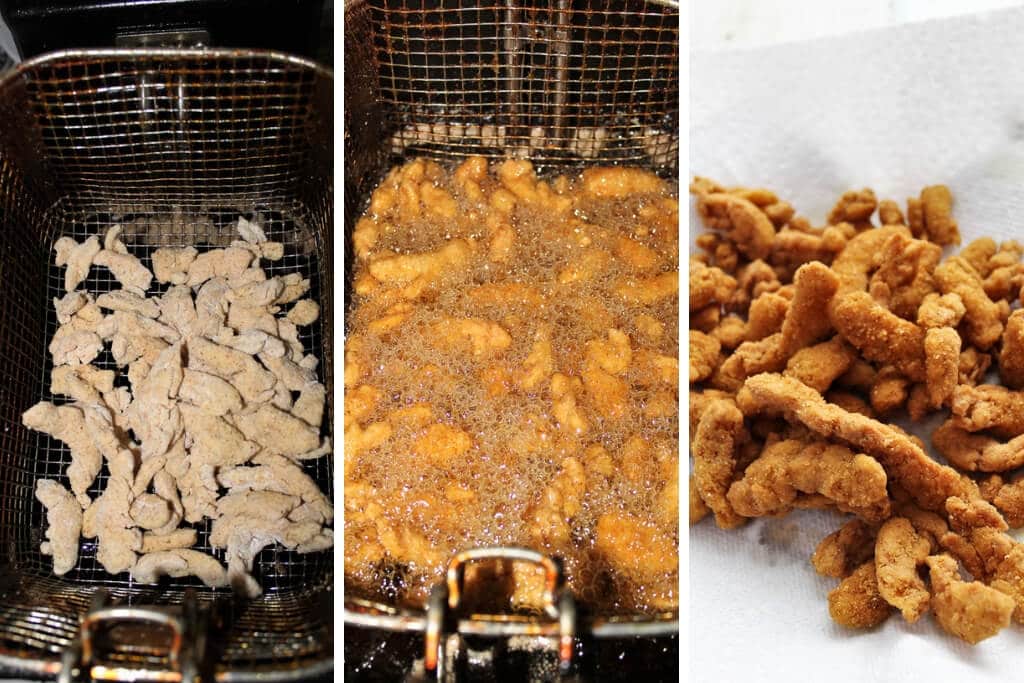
x=561, y=281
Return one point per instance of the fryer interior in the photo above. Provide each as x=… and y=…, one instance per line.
x=174, y=146
x=427, y=77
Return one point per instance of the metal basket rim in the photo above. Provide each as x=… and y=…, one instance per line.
x=123, y=53
x=371, y=614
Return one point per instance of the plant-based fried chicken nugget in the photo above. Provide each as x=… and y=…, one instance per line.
x=819, y=365
x=977, y=452
x=845, y=549
x=746, y=225
x=854, y=206
x=899, y=551
x=1002, y=567
x=714, y=459
x=709, y=285
x=815, y=285
x=698, y=510
x=704, y=356
x=941, y=364
x=854, y=264
x=983, y=323
x=772, y=483
x=904, y=274
x=1009, y=500
x=990, y=407
x=766, y=315
x=970, y=611
x=946, y=310
x=889, y=213
x=1011, y=355
x=927, y=481
x=937, y=205
x=889, y=391
x=856, y=602
x=880, y=335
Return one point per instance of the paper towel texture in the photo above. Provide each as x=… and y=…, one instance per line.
x=894, y=110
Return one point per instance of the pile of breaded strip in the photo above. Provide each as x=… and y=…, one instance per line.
x=806, y=343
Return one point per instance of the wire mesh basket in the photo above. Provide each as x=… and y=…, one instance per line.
x=174, y=145
x=564, y=83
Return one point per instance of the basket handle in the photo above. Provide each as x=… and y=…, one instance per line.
x=185, y=640
x=446, y=596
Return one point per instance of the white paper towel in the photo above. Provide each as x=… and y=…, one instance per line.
x=894, y=110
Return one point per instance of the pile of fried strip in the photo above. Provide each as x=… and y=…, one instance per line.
x=221, y=395
x=807, y=343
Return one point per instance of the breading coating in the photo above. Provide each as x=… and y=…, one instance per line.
x=856, y=602
x=771, y=484
x=714, y=461
x=937, y=205
x=977, y=452
x=744, y=223
x=989, y=407
x=899, y=551
x=704, y=356
x=906, y=463
x=880, y=335
x=982, y=323
x=839, y=553
x=1011, y=353
x=970, y=611
x=941, y=364
x=904, y=275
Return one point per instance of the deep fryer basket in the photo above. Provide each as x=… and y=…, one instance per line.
x=562, y=83
x=174, y=145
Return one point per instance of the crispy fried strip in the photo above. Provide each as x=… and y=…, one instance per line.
x=926, y=480
x=899, y=550
x=714, y=450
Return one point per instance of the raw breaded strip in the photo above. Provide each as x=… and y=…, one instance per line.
x=819, y=365
x=856, y=602
x=905, y=462
x=982, y=323
x=1011, y=355
x=991, y=407
x=714, y=449
x=879, y=334
x=970, y=611
x=941, y=364
x=977, y=452
x=771, y=484
x=899, y=551
x=844, y=549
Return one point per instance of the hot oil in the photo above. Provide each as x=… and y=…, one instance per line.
x=490, y=495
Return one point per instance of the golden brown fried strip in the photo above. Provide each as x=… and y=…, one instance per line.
x=709, y=285
x=854, y=206
x=970, y=611
x=706, y=319
x=1011, y=355
x=880, y=335
x=819, y=365
x=937, y=205
x=978, y=253
x=714, y=450
x=1002, y=565
x=941, y=364
x=937, y=310
x=1009, y=500
x=982, y=323
x=977, y=452
x=849, y=402
x=699, y=402
x=973, y=365
x=730, y=332
x=705, y=355
x=793, y=248
x=927, y=481
x=744, y=223
x=889, y=213
x=765, y=317
x=856, y=602
x=698, y=510
x=771, y=484
x=899, y=551
x=844, y=549
x=991, y=407
x=856, y=260
x=904, y=274
x=889, y=391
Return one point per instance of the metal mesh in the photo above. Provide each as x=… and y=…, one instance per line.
x=174, y=146
x=559, y=82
